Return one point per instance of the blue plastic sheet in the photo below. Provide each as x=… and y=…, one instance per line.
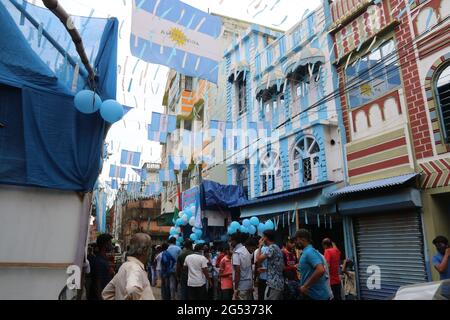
x=44, y=140
x=224, y=196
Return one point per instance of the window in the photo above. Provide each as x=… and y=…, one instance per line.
x=270, y=172
x=443, y=95
x=242, y=179
x=272, y=107
x=241, y=88
x=373, y=75
x=306, y=160
x=188, y=83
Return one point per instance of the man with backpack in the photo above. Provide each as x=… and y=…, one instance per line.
x=314, y=282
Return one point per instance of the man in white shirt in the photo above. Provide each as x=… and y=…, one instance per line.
x=198, y=274
x=131, y=282
x=242, y=266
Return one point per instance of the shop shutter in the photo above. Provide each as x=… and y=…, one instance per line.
x=393, y=242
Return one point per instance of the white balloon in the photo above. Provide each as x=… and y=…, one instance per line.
x=193, y=229
x=192, y=221
x=180, y=214
x=178, y=229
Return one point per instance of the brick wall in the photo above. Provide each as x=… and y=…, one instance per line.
x=422, y=144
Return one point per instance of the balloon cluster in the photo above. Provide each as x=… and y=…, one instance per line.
x=87, y=101
x=186, y=217
x=250, y=226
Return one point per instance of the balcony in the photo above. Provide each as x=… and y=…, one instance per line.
x=342, y=11
x=300, y=36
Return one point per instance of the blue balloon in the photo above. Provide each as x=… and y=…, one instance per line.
x=235, y=225
x=246, y=223
x=111, y=111
x=178, y=222
x=254, y=221
x=231, y=231
x=269, y=225
x=252, y=229
x=193, y=237
x=86, y=101
x=187, y=210
x=243, y=229
x=261, y=227
x=198, y=232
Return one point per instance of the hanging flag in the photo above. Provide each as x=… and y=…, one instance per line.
x=133, y=187
x=117, y=172
x=157, y=136
x=113, y=184
x=176, y=35
x=177, y=163
x=152, y=189
x=167, y=176
x=163, y=123
x=130, y=158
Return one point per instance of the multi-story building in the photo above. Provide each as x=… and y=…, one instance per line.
x=138, y=207
x=391, y=60
x=429, y=110
x=280, y=81
x=195, y=102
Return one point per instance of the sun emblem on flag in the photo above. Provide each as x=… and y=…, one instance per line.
x=178, y=36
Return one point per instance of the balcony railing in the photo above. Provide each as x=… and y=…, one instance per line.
x=292, y=41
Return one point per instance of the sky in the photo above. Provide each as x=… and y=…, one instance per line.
x=146, y=91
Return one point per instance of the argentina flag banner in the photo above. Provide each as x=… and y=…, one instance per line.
x=174, y=34
x=130, y=158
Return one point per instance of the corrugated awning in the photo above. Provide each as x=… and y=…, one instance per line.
x=237, y=69
x=374, y=185
x=271, y=81
x=307, y=197
x=306, y=56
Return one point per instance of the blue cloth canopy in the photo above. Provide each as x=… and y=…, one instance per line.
x=44, y=140
x=216, y=195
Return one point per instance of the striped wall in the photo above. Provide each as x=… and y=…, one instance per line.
x=379, y=157
x=435, y=173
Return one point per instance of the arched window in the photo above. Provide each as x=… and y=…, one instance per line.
x=443, y=98
x=270, y=172
x=242, y=179
x=305, y=160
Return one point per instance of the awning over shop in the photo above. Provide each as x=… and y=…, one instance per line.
x=237, y=69
x=377, y=184
x=271, y=82
x=304, y=198
x=307, y=55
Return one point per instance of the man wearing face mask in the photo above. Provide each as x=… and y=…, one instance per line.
x=440, y=260
x=102, y=270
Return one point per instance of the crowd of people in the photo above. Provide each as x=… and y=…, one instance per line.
x=252, y=268
x=245, y=268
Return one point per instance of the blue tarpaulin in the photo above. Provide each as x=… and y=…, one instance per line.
x=44, y=140
x=216, y=195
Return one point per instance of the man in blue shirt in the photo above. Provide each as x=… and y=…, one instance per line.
x=174, y=251
x=314, y=284
x=440, y=260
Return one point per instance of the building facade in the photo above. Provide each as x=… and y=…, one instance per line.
x=390, y=70
x=195, y=102
x=278, y=83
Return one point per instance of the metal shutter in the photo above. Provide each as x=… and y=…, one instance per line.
x=393, y=242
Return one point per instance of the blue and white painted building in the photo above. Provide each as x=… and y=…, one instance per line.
x=283, y=80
